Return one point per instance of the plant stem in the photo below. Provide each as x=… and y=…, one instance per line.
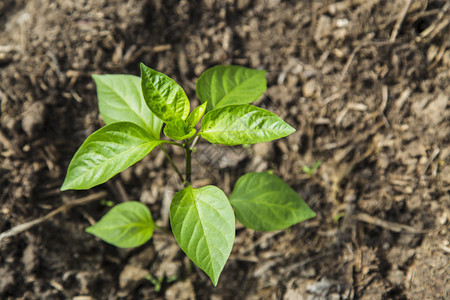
x=194, y=141
x=188, y=162
x=172, y=163
x=175, y=143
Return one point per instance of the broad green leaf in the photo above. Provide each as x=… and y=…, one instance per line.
x=165, y=98
x=196, y=115
x=120, y=99
x=126, y=225
x=203, y=222
x=106, y=152
x=178, y=130
x=243, y=124
x=229, y=85
x=265, y=202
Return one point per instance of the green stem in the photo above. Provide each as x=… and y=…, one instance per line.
x=188, y=162
x=172, y=163
x=196, y=135
x=194, y=141
x=174, y=143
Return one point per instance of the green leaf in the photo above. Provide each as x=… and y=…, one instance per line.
x=310, y=171
x=165, y=98
x=126, y=225
x=120, y=99
x=229, y=85
x=243, y=124
x=203, y=223
x=307, y=170
x=196, y=115
x=106, y=152
x=265, y=202
x=178, y=130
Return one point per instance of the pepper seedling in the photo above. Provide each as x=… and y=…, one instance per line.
x=202, y=219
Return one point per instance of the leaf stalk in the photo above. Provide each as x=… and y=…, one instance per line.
x=180, y=176
x=187, y=147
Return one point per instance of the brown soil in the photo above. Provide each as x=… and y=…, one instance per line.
x=366, y=84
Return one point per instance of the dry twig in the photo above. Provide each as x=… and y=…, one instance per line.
x=399, y=22
x=356, y=50
x=395, y=227
x=26, y=226
x=441, y=22
x=345, y=171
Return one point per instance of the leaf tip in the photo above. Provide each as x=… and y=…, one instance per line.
x=72, y=184
x=215, y=281
x=292, y=129
x=90, y=229
x=143, y=68
x=311, y=214
x=65, y=186
x=214, y=277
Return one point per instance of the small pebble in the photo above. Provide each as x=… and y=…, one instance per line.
x=309, y=88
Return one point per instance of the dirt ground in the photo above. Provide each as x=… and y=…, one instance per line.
x=365, y=82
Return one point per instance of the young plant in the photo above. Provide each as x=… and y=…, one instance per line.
x=313, y=169
x=202, y=218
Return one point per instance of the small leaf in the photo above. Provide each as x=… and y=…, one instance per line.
x=313, y=169
x=317, y=165
x=126, y=225
x=165, y=98
x=203, y=222
x=177, y=130
x=229, y=85
x=196, y=115
x=120, y=99
x=106, y=152
x=265, y=202
x=243, y=124
x=307, y=170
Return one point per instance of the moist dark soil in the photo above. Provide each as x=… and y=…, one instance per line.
x=365, y=83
